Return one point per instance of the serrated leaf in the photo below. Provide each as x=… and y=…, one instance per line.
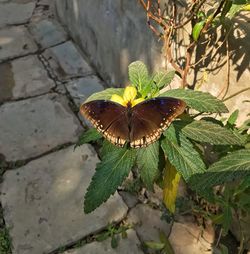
x=105, y=94
x=202, y=102
x=88, y=136
x=138, y=75
x=147, y=162
x=171, y=181
x=110, y=173
x=181, y=154
x=163, y=79
x=197, y=30
x=204, y=131
x=233, y=166
x=107, y=147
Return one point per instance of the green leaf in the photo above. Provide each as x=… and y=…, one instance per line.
x=107, y=147
x=114, y=241
x=88, y=136
x=110, y=173
x=163, y=78
x=105, y=94
x=223, y=249
x=233, y=166
x=168, y=249
x=227, y=218
x=154, y=245
x=138, y=75
x=204, y=131
x=181, y=154
x=233, y=117
x=234, y=10
x=147, y=162
x=102, y=236
x=202, y=102
x=197, y=30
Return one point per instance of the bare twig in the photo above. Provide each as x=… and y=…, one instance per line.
x=235, y=94
x=227, y=81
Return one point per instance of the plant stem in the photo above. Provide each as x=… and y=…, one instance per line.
x=235, y=94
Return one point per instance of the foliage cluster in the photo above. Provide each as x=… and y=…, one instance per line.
x=180, y=152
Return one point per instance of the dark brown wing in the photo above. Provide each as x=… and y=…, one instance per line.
x=151, y=117
x=109, y=118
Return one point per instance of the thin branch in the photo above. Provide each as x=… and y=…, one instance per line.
x=228, y=71
x=193, y=11
x=235, y=94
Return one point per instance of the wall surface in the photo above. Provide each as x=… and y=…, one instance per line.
x=114, y=33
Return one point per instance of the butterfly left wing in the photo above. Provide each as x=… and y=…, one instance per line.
x=109, y=118
x=151, y=117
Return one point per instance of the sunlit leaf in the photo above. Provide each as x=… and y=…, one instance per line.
x=170, y=186
x=202, y=102
x=110, y=173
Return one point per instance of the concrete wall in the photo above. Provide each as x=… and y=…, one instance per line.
x=113, y=33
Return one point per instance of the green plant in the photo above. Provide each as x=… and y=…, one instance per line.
x=5, y=244
x=113, y=232
x=180, y=143
x=200, y=28
x=162, y=247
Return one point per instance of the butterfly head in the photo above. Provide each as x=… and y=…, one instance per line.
x=128, y=99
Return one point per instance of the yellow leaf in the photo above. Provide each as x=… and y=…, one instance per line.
x=129, y=94
x=170, y=186
x=118, y=99
x=137, y=101
x=246, y=7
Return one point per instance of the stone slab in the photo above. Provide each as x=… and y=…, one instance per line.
x=43, y=201
x=129, y=245
x=148, y=222
x=15, y=41
x=34, y=126
x=47, y=33
x=67, y=61
x=82, y=88
x=22, y=78
x=16, y=13
x=185, y=238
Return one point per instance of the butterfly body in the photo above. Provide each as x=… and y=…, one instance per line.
x=140, y=125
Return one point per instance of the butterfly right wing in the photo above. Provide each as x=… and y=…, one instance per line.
x=109, y=118
x=151, y=117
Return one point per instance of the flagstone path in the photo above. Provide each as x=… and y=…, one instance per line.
x=43, y=79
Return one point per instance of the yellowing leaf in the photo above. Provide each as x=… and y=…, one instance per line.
x=170, y=186
x=118, y=99
x=129, y=93
x=137, y=101
x=129, y=96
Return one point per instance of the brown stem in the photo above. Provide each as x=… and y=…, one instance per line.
x=189, y=54
x=193, y=11
x=235, y=94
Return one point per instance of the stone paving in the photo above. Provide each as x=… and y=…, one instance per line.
x=43, y=79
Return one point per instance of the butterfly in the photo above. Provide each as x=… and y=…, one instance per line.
x=140, y=125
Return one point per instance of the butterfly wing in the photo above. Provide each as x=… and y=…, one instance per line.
x=151, y=117
x=109, y=118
